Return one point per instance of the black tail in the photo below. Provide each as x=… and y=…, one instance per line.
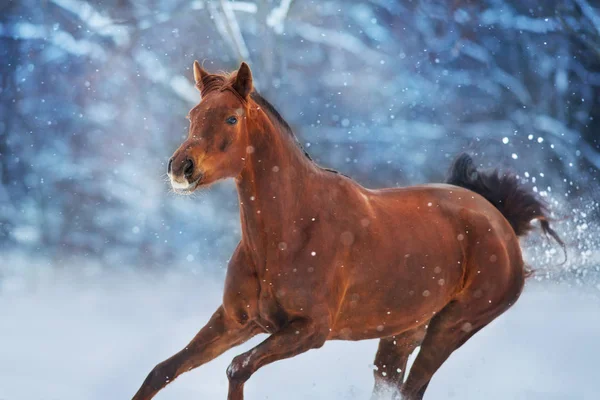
x=518, y=204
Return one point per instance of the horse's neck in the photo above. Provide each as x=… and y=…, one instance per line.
x=275, y=175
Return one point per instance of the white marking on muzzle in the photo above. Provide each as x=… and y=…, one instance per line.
x=179, y=185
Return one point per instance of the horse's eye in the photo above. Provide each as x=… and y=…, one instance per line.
x=232, y=120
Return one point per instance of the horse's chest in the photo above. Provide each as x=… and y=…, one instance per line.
x=271, y=314
x=278, y=302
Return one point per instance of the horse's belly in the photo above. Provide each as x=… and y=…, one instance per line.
x=382, y=315
x=387, y=299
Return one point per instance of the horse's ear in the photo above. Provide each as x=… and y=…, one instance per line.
x=243, y=80
x=199, y=74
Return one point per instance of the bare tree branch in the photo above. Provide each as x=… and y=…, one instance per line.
x=337, y=39
x=277, y=16
x=233, y=28
x=590, y=13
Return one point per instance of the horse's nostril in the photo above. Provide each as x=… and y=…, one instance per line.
x=170, y=165
x=188, y=168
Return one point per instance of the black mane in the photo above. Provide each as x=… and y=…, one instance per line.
x=272, y=112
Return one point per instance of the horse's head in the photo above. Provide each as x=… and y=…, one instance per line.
x=217, y=142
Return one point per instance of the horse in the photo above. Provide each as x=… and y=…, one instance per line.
x=323, y=258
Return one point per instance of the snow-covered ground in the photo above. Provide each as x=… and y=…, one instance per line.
x=68, y=338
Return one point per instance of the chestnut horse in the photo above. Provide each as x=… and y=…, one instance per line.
x=323, y=258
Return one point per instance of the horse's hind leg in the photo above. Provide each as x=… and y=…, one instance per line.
x=390, y=361
x=447, y=331
x=487, y=295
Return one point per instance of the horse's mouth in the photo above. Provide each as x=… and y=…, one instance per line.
x=191, y=187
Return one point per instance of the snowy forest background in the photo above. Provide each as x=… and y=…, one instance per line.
x=104, y=272
x=94, y=95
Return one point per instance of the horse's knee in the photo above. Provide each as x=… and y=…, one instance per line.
x=319, y=338
x=160, y=376
x=240, y=370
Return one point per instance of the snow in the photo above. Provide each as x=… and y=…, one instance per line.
x=96, y=337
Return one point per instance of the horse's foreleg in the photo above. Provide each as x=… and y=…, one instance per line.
x=216, y=337
x=299, y=336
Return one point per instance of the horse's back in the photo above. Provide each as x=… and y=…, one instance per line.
x=451, y=199
x=472, y=216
